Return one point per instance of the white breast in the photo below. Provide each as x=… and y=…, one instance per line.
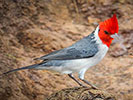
x=78, y=64
x=101, y=53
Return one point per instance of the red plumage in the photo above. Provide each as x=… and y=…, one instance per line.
x=109, y=26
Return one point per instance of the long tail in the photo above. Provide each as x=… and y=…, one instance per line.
x=18, y=69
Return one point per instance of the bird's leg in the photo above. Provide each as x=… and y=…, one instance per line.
x=71, y=76
x=81, y=77
x=92, y=85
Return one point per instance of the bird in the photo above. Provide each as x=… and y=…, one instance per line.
x=80, y=56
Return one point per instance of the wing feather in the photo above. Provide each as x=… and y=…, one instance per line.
x=84, y=48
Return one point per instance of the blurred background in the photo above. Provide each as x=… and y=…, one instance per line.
x=32, y=28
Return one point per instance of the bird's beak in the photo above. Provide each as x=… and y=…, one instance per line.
x=115, y=36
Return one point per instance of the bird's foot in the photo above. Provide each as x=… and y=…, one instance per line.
x=81, y=84
x=92, y=85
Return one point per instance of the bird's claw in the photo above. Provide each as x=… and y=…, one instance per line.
x=94, y=87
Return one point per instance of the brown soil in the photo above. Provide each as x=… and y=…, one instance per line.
x=32, y=28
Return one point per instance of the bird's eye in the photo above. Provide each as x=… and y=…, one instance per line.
x=106, y=32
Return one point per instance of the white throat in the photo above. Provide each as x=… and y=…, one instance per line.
x=102, y=47
x=97, y=36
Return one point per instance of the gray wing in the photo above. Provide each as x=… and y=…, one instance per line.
x=84, y=48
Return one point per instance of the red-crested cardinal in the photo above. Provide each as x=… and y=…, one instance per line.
x=82, y=55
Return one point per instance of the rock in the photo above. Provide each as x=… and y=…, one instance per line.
x=81, y=93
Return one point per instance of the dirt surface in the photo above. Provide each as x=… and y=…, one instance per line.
x=32, y=28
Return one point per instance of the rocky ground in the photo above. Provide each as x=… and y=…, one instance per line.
x=30, y=29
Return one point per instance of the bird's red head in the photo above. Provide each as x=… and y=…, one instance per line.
x=108, y=28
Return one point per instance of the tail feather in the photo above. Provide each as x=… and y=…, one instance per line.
x=18, y=69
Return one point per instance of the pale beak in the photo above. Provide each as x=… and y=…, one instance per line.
x=119, y=39
x=116, y=37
